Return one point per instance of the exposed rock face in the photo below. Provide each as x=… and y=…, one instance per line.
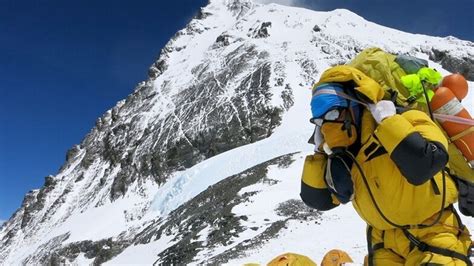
x=157, y=69
x=211, y=211
x=223, y=40
x=52, y=253
x=240, y=8
x=169, y=144
x=244, y=118
x=262, y=31
x=464, y=65
x=34, y=200
x=223, y=123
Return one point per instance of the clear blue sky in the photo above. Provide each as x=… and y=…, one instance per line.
x=64, y=63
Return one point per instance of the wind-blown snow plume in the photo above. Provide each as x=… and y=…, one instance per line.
x=294, y=3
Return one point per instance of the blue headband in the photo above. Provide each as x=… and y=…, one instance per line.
x=322, y=103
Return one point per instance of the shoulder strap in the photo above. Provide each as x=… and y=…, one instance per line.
x=423, y=247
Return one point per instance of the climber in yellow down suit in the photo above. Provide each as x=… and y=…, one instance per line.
x=390, y=166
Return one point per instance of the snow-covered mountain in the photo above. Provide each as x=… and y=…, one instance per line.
x=202, y=162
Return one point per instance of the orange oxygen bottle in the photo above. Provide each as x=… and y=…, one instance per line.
x=457, y=84
x=447, y=101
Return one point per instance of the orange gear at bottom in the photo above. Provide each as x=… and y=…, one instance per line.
x=336, y=257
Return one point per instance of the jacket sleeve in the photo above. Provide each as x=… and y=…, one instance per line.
x=314, y=191
x=415, y=143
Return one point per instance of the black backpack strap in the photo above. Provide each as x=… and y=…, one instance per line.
x=458, y=219
x=369, y=246
x=423, y=247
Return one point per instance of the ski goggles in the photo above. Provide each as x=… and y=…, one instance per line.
x=331, y=115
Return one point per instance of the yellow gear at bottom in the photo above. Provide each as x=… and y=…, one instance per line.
x=392, y=247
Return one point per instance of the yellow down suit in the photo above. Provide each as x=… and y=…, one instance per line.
x=398, y=185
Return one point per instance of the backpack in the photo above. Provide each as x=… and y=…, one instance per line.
x=382, y=67
x=410, y=64
x=387, y=69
